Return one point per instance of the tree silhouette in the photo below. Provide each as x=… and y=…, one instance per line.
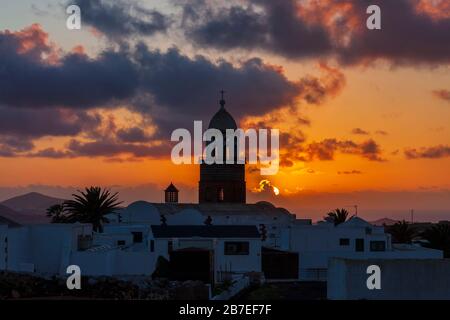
x=401, y=232
x=92, y=206
x=438, y=237
x=337, y=216
x=57, y=213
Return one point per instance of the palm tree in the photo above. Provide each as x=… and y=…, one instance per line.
x=337, y=216
x=438, y=237
x=401, y=232
x=57, y=213
x=92, y=206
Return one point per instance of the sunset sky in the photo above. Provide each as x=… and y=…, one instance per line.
x=364, y=115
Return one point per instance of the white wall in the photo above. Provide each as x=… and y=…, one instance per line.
x=411, y=279
x=222, y=262
x=317, y=243
x=43, y=248
x=3, y=246
x=238, y=263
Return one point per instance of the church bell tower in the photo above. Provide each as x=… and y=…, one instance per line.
x=222, y=182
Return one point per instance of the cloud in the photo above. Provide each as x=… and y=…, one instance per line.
x=359, y=131
x=442, y=94
x=435, y=152
x=326, y=149
x=315, y=90
x=134, y=134
x=45, y=122
x=381, y=132
x=350, y=172
x=411, y=32
x=268, y=25
x=10, y=145
x=114, y=148
x=118, y=19
x=29, y=78
x=46, y=92
x=189, y=86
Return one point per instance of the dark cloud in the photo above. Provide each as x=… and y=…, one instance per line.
x=360, y=131
x=262, y=24
x=114, y=148
x=116, y=151
x=442, y=94
x=45, y=122
x=11, y=145
x=408, y=35
x=435, y=152
x=326, y=149
x=381, y=132
x=350, y=172
x=190, y=86
x=46, y=93
x=315, y=90
x=410, y=32
x=50, y=153
x=117, y=19
x=134, y=134
x=74, y=80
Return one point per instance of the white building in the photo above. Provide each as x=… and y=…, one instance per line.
x=353, y=239
x=45, y=249
x=123, y=249
x=232, y=249
x=133, y=246
x=262, y=215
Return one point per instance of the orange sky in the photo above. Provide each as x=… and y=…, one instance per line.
x=394, y=105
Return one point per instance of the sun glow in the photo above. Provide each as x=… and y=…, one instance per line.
x=266, y=185
x=276, y=191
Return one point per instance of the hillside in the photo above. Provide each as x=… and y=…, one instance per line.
x=28, y=208
x=8, y=216
x=384, y=222
x=32, y=203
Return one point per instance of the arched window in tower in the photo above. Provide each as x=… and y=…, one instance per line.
x=221, y=195
x=171, y=194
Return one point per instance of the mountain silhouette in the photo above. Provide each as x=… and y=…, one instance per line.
x=9, y=216
x=28, y=208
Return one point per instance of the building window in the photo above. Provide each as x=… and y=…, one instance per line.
x=152, y=245
x=236, y=248
x=121, y=242
x=377, y=246
x=359, y=245
x=137, y=237
x=344, y=242
x=221, y=195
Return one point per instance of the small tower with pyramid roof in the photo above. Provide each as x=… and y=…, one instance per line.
x=171, y=194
